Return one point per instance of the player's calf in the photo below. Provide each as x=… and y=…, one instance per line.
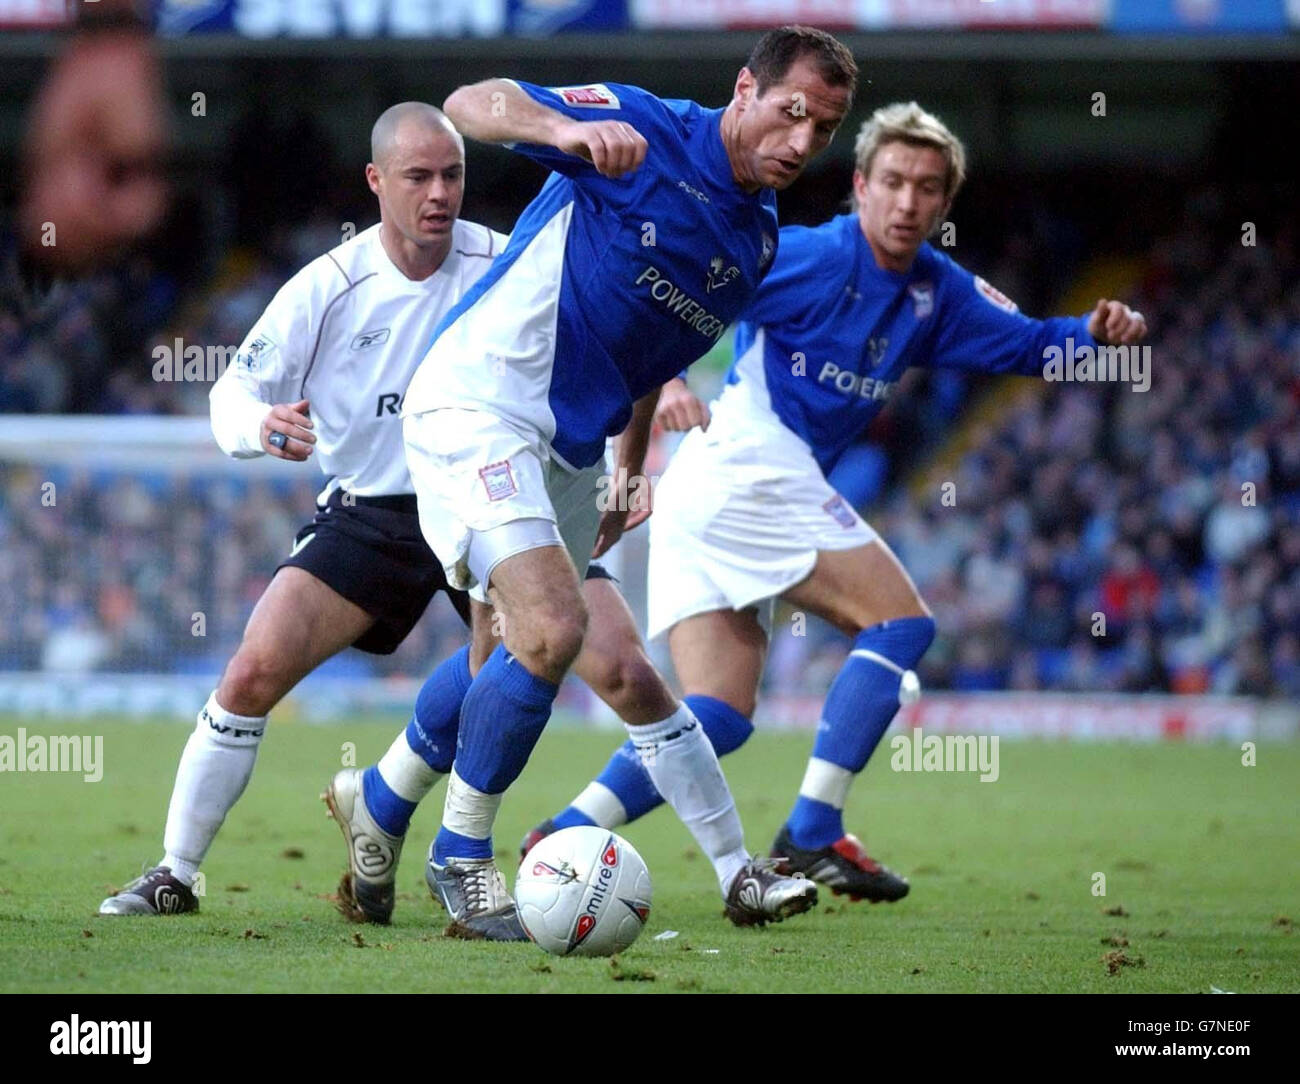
x=614, y=663
x=627, y=681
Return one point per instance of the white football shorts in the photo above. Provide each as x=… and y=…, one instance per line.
x=739, y=516
x=487, y=491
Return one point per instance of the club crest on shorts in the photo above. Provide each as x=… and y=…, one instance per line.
x=839, y=510
x=498, y=480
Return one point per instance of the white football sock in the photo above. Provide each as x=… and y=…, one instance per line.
x=406, y=772
x=826, y=782
x=684, y=768
x=467, y=811
x=214, y=770
x=601, y=804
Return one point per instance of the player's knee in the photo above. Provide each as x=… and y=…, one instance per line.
x=550, y=639
x=252, y=684
x=556, y=648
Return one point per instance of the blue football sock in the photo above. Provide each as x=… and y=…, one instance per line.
x=725, y=727
x=861, y=703
x=503, y=715
x=630, y=783
x=451, y=844
x=814, y=824
x=431, y=735
x=572, y=817
x=391, y=812
x=434, y=725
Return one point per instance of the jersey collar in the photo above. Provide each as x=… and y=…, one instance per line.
x=866, y=259
x=383, y=263
x=717, y=165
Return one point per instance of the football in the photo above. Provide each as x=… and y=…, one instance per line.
x=583, y=892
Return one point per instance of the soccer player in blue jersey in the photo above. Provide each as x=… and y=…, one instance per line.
x=744, y=514
x=649, y=238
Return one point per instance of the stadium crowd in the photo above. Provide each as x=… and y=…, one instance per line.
x=135, y=572
x=1100, y=539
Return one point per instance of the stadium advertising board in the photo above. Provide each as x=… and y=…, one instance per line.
x=1200, y=16
x=869, y=14
x=539, y=18
x=389, y=18
x=1146, y=717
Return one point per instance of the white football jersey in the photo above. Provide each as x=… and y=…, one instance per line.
x=346, y=332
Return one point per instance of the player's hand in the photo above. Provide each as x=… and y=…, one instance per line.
x=1113, y=323
x=639, y=515
x=93, y=152
x=614, y=148
x=612, y=525
x=291, y=419
x=679, y=409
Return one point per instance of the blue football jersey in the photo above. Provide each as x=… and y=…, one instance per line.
x=829, y=333
x=608, y=287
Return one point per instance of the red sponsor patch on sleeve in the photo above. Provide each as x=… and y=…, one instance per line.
x=592, y=96
x=994, y=296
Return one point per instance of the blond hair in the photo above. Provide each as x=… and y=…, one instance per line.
x=907, y=122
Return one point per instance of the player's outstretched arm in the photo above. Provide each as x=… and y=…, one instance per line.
x=982, y=330
x=498, y=111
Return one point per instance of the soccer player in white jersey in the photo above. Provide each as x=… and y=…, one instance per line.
x=321, y=375
x=655, y=227
x=745, y=515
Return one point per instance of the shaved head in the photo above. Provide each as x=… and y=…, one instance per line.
x=417, y=170
x=400, y=123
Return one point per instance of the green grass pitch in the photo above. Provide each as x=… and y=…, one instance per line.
x=1200, y=856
